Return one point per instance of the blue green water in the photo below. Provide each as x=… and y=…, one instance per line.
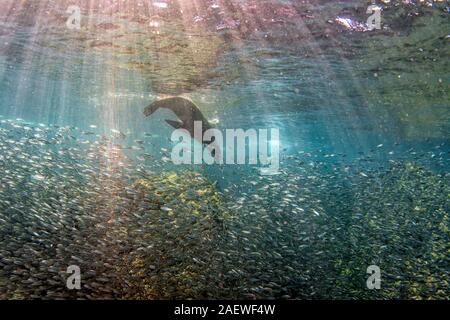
x=364, y=150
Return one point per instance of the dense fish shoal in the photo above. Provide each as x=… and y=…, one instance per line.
x=310, y=232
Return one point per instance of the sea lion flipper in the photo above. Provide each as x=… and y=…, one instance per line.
x=176, y=124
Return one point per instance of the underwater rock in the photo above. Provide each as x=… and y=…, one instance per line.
x=174, y=256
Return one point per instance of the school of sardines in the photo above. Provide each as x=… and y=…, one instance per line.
x=70, y=197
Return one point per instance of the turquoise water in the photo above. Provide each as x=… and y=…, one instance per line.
x=87, y=180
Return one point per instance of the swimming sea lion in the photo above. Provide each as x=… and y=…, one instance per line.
x=185, y=110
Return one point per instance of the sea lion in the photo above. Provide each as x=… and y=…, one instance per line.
x=186, y=111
